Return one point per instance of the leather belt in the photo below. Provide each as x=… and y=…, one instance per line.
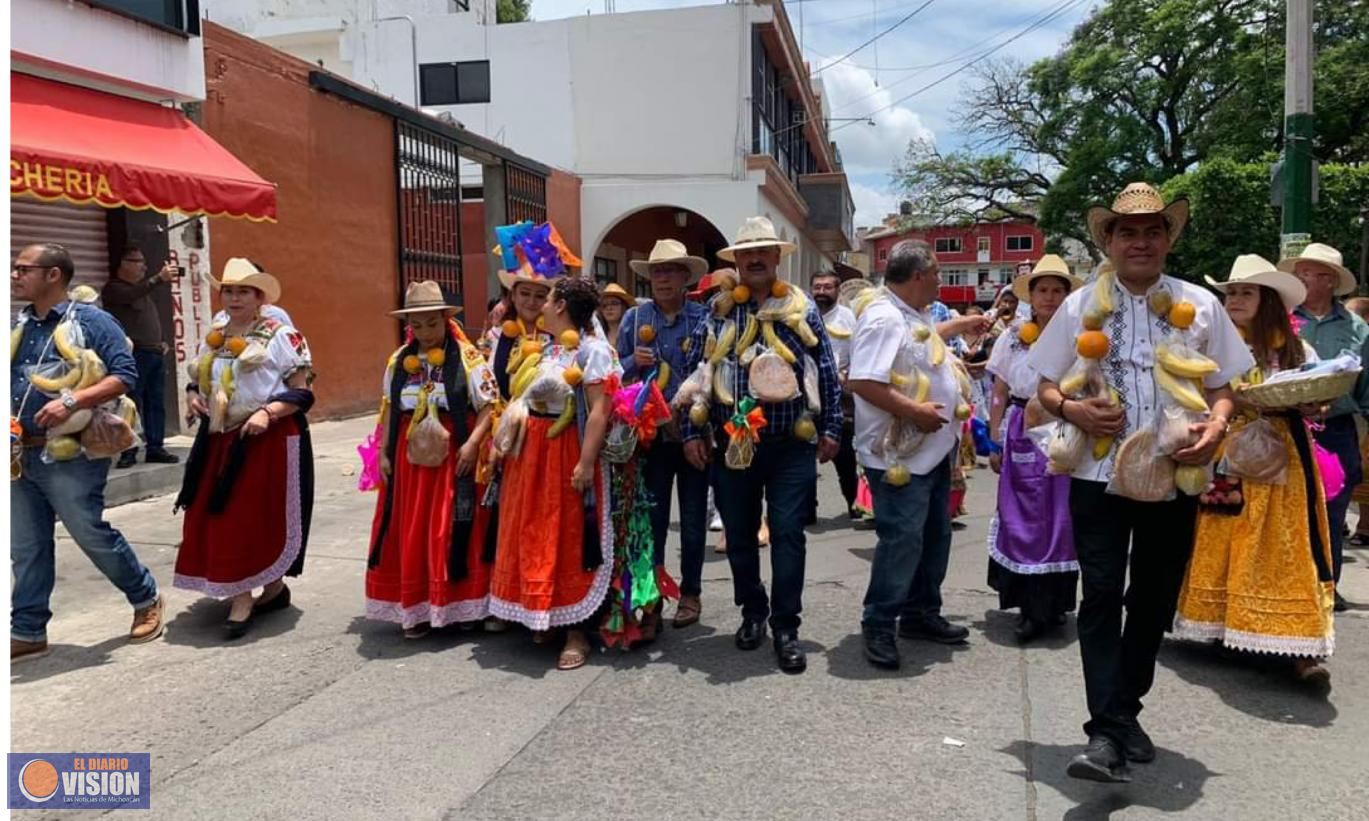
x=33, y=440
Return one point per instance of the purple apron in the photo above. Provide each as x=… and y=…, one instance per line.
x=1030, y=532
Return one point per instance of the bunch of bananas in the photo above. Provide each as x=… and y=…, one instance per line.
x=1180, y=373
x=84, y=366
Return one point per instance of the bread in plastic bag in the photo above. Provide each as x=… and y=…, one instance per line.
x=697, y=385
x=1067, y=448
x=508, y=436
x=428, y=442
x=1255, y=452
x=812, y=386
x=107, y=435
x=772, y=379
x=1139, y=472
x=1172, y=428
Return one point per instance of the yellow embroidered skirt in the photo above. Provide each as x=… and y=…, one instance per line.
x=1261, y=580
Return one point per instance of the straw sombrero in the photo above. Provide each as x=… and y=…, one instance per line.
x=1253, y=269
x=242, y=271
x=615, y=291
x=669, y=251
x=421, y=297
x=1137, y=198
x=756, y=232
x=1324, y=254
x=1050, y=265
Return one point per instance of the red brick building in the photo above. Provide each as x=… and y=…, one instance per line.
x=976, y=260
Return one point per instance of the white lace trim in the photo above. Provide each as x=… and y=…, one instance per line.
x=1019, y=568
x=572, y=613
x=294, y=536
x=466, y=610
x=1303, y=647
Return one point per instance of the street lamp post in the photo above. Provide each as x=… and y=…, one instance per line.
x=413, y=48
x=1298, y=130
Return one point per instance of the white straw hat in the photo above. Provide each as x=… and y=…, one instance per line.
x=1324, y=254
x=1253, y=269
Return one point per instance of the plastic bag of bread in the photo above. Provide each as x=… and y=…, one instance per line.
x=427, y=442
x=508, y=437
x=1255, y=452
x=1173, y=428
x=773, y=379
x=1066, y=450
x=1140, y=472
x=107, y=435
x=812, y=388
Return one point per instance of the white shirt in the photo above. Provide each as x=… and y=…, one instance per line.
x=276, y=352
x=1009, y=362
x=884, y=334
x=841, y=318
x=1134, y=331
x=267, y=312
x=481, y=387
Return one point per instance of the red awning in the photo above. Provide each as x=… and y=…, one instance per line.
x=80, y=145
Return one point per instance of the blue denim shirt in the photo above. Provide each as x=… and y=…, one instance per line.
x=672, y=342
x=102, y=335
x=1333, y=334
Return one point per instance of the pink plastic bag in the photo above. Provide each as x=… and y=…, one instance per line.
x=1332, y=474
x=369, y=450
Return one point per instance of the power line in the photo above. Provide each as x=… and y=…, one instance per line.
x=905, y=19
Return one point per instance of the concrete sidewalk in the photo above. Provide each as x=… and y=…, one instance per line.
x=321, y=714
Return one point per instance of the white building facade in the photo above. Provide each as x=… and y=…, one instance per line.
x=679, y=122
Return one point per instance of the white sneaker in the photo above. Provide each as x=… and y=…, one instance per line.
x=715, y=525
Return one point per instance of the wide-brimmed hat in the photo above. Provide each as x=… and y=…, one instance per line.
x=1137, y=198
x=422, y=297
x=1324, y=254
x=1253, y=269
x=615, y=291
x=1050, y=265
x=756, y=232
x=242, y=271
x=670, y=251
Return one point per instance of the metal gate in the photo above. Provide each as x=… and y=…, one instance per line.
x=525, y=194
x=429, y=201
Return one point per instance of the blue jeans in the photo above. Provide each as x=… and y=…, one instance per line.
x=1340, y=438
x=913, y=524
x=782, y=474
x=150, y=396
x=666, y=466
x=74, y=492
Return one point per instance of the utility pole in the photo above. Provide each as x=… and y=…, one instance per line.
x=1298, y=130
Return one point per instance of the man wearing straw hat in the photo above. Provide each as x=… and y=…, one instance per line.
x=1330, y=329
x=1127, y=312
x=778, y=457
x=655, y=338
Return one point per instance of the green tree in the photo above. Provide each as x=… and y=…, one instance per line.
x=1142, y=90
x=513, y=11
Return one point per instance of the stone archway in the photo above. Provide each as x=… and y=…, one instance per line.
x=632, y=237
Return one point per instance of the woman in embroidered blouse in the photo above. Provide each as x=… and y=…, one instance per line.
x=1031, y=545
x=428, y=566
x=522, y=327
x=249, y=484
x=554, y=558
x=1260, y=576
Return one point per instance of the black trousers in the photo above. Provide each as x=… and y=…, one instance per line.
x=1155, y=539
x=845, y=463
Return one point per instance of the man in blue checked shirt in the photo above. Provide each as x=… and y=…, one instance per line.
x=664, y=348
x=72, y=490
x=784, y=467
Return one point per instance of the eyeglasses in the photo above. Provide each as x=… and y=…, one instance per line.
x=25, y=268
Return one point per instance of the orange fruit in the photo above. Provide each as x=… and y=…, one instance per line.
x=531, y=347
x=570, y=339
x=779, y=290
x=646, y=333
x=214, y=339
x=237, y=345
x=1092, y=344
x=511, y=328
x=412, y=364
x=436, y=356
x=1182, y=315
x=573, y=375
x=1029, y=332
x=741, y=294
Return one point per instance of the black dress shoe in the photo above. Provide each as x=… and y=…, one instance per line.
x=1136, y=745
x=1029, y=630
x=750, y=634
x=237, y=629
x=280, y=601
x=880, y=648
x=933, y=628
x=1341, y=604
x=127, y=459
x=1101, y=760
x=161, y=456
x=788, y=653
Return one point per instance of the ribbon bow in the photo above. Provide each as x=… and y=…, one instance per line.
x=747, y=421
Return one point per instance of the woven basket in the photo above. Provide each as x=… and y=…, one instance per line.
x=1311, y=390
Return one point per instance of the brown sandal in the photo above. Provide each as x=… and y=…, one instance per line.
x=574, y=655
x=687, y=612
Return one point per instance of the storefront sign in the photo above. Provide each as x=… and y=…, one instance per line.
x=51, y=181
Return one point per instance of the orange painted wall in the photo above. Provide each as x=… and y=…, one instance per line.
x=334, y=246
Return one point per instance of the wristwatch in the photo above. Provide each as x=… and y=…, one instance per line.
x=68, y=399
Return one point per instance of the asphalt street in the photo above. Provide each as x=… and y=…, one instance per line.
x=320, y=714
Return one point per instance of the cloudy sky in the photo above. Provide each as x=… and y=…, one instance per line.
x=947, y=33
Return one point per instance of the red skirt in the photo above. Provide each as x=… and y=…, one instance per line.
x=258, y=535
x=410, y=585
x=539, y=580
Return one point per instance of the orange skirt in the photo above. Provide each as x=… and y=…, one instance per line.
x=410, y=585
x=538, y=578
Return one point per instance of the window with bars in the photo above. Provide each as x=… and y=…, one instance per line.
x=525, y=194
x=429, y=201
